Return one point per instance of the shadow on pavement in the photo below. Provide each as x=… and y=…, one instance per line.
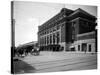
x=22, y=67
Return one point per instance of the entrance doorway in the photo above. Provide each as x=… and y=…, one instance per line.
x=84, y=47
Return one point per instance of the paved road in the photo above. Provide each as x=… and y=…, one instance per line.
x=81, y=62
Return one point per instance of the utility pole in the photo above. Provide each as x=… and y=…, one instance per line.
x=12, y=27
x=12, y=36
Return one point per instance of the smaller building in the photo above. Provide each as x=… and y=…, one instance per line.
x=27, y=46
x=85, y=42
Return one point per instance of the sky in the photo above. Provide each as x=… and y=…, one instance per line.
x=29, y=15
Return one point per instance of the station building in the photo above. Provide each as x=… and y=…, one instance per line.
x=67, y=28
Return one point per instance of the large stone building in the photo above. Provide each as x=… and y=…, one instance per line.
x=65, y=28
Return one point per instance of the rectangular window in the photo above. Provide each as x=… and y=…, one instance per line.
x=84, y=47
x=50, y=39
x=57, y=37
x=58, y=27
x=78, y=47
x=89, y=48
x=53, y=38
x=73, y=33
x=47, y=40
x=54, y=29
x=47, y=31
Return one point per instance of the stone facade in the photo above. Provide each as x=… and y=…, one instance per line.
x=62, y=30
x=85, y=43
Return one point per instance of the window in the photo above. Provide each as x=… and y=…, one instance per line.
x=47, y=40
x=47, y=31
x=78, y=47
x=51, y=30
x=54, y=29
x=40, y=41
x=58, y=37
x=53, y=38
x=73, y=24
x=50, y=39
x=43, y=40
x=89, y=48
x=83, y=23
x=58, y=27
x=73, y=36
x=84, y=47
x=73, y=33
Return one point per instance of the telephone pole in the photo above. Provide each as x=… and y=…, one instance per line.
x=12, y=36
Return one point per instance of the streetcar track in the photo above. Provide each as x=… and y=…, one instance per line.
x=60, y=61
x=62, y=65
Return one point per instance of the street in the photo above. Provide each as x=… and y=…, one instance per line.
x=56, y=61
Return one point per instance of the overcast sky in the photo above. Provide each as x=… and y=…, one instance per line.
x=29, y=15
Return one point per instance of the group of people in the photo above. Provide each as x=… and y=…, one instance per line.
x=25, y=52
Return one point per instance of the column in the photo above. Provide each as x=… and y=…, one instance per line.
x=87, y=47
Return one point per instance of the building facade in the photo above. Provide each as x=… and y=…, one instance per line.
x=64, y=29
x=85, y=43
